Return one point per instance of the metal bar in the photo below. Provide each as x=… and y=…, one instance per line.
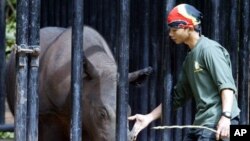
x=63, y=13
x=234, y=35
x=244, y=63
x=167, y=76
x=215, y=13
x=179, y=56
x=106, y=20
x=123, y=63
x=100, y=18
x=93, y=13
x=207, y=28
x=57, y=8
x=22, y=72
x=51, y=12
x=224, y=26
x=189, y=112
x=44, y=13
x=154, y=49
x=7, y=127
x=112, y=26
x=144, y=60
x=32, y=127
x=134, y=59
x=77, y=71
x=2, y=61
x=69, y=12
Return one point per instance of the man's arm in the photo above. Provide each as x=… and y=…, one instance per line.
x=142, y=121
x=227, y=96
x=224, y=122
x=156, y=113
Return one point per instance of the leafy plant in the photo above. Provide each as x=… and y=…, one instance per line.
x=10, y=32
x=10, y=24
x=6, y=135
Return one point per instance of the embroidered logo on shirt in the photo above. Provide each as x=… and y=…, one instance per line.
x=197, y=67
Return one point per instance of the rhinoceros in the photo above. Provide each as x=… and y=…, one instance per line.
x=99, y=78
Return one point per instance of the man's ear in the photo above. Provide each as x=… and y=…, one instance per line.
x=191, y=28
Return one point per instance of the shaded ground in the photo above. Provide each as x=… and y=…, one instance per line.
x=8, y=119
x=8, y=115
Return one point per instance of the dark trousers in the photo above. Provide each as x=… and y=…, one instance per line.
x=206, y=135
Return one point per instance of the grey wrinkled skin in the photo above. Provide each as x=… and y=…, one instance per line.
x=100, y=82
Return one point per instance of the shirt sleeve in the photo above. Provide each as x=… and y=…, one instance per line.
x=182, y=91
x=217, y=61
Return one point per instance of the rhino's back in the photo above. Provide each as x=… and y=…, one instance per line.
x=55, y=68
x=48, y=35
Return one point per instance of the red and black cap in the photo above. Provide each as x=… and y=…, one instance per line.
x=184, y=16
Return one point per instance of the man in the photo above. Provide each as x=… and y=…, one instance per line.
x=206, y=75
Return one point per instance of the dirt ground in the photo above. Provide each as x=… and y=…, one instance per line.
x=8, y=119
x=8, y=115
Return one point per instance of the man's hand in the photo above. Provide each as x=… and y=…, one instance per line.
x=223, y=128
x=141, y=122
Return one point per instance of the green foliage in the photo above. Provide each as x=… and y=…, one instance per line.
x=10, y=24
x=6, y=135
x=10, y=32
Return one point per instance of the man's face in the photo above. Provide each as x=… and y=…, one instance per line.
x=179, y=35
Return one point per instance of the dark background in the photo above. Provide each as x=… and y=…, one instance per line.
x=226, y=21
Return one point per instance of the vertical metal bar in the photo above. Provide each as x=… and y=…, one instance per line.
x=154, y=49
x=189, y=115
x=69, y=12
x=207, y=28
x=32, y=128
x=179, y=56
x=144, y=60
x=57, y=8
x=244, y=62
x=224, y=26
x=99, y=19
x=106, y=12
x=234, y=35
x=134, y=51
x=51, y=12
x=93, y=11
x=2, y=61
x=215, y=22
x=22, y=71
x=44, y=13
x=112, y=27
x=77, y=71
x=122, y=89
x=168, y=82
x=63, y=13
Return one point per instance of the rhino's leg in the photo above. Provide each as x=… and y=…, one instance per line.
x=53, y=128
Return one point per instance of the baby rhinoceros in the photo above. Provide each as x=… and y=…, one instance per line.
x=100, y=84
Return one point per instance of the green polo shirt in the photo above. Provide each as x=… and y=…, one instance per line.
x=206, y=71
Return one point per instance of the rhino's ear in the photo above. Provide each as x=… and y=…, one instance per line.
x=90, y=71
x=138, y=77
x=84, y=74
